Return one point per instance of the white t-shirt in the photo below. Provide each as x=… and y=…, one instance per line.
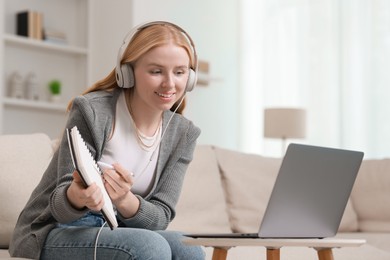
x=124, y=148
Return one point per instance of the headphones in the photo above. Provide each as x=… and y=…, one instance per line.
x=124, y=72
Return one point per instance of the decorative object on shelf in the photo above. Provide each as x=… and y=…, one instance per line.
x=54, y=36
x=204, y=77
x=29, y=24
x=16, y=89
x=284, y=123
x=203, y=73
x=31, y=87
x=55, y=90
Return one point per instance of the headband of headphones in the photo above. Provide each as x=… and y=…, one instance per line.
x=124, y=72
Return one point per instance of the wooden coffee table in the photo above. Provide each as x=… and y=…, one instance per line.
x=323, y=246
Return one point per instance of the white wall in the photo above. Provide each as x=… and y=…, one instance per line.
x=213, y=25
x=111, y=20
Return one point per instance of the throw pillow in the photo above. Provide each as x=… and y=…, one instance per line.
x=201, y=206
x=371, y=195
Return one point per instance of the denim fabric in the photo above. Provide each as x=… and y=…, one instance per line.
x=91, y=219
x=76, y=241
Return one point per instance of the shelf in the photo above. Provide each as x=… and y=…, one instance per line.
x=27, y=42
x=42, y=105
x=67, y=61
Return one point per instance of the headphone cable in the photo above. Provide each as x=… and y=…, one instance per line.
x=96, y=240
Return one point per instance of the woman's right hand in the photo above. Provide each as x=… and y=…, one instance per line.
x=79, y=196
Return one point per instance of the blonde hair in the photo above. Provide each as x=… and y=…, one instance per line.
x=143, y=41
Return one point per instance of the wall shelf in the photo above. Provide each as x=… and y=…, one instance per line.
x=30, y=104
x=39, y=44
x=68, y=62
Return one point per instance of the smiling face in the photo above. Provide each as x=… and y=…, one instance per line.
x=160, y=77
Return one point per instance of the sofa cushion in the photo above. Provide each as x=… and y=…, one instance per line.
x=349, y=222
x=248, y=180
x=371, y=195
x=23, y=159
x=201, y=207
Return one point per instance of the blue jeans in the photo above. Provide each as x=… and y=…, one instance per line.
x=77, y=241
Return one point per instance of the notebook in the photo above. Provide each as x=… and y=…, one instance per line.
x=89, y=171
x=309, y=196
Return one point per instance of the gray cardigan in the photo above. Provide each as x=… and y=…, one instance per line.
x=93, y=114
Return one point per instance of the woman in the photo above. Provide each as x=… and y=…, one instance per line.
x=127, y=122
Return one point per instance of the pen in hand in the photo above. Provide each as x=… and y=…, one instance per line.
x=104, y=165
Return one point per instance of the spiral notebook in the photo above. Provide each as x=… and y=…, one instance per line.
x=89, y=171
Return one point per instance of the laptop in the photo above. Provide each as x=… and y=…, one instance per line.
x=309, y=196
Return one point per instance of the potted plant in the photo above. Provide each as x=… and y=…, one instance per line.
x=55, y=90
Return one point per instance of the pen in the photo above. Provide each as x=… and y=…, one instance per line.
x=104, y=165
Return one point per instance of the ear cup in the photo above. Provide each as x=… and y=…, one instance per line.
x=191, y=82
x=127, y=76
x=118, y=76
x=124, y=72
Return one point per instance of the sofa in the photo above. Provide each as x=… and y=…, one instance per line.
x=224, y=191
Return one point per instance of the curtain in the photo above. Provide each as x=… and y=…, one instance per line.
x=330, y=57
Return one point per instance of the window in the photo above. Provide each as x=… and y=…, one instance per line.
x=330, y=57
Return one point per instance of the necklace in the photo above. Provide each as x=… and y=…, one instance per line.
x=145, y=142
